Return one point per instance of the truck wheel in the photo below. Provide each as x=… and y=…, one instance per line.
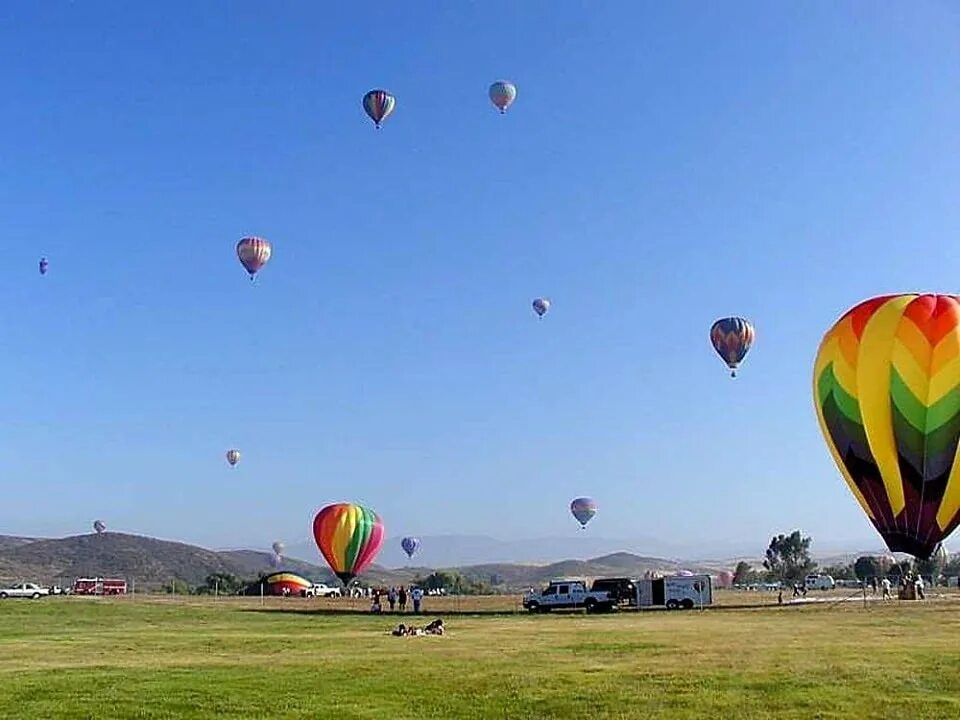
x=687, y=604
x=3, y=596
x=590, y=605
x=35, y=596
x=672, y=605
x=533, y=607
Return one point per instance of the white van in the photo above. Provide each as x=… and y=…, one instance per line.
x=819, y=582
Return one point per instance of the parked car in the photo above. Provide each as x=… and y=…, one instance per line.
x=621, y=589
x=24, y=590
x=560, y=594
x=819, y=582
x=321, y=590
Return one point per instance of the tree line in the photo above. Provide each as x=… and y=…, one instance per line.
x=787, y=560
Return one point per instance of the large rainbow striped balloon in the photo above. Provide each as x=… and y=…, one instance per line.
x=349, y=537
x=886, y=387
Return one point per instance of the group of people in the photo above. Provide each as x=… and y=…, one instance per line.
x=434, y=628
x=906, y=580
x=398, y=597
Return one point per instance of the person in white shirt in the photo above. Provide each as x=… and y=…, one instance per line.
x=885, y=584
x=417, y=596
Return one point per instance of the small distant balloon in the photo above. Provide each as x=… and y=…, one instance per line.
x=502, y=94
x=541, y=306
x=378, y=104
x=583, y=509
x=278, y=547
x=410, y=545
x=99, y=527
x=732, y=338
x=233, y=457
x=43, y=266
x=254, y=252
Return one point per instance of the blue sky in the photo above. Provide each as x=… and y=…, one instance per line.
x=663, y=165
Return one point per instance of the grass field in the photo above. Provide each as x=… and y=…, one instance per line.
x=77, y=658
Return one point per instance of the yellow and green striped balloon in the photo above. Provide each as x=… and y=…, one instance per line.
x=886, y=387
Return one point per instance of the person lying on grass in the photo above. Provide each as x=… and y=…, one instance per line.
x=434, y=628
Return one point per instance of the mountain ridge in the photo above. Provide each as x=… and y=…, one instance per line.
x=153, y=562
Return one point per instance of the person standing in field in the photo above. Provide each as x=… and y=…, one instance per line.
x=885, y=585
x=402, y=598
x=417, y=596
x=918, y=583
x=392, y=597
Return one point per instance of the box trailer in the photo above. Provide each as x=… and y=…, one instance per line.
x=99, y=586
x=675, y=592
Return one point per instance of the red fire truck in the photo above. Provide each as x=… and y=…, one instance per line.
x=99, y=586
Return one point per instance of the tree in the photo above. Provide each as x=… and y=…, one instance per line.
x=867, y=566
x=222, y=583
x=933, y=567
x=742, y=573
x=788, y=556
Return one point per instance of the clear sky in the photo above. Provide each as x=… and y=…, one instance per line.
x=665, y=164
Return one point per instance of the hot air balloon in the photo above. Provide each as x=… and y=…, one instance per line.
x=99, y=527
x=886, y=388
x=378, y=105
x=732, y=338
x=410, y=545
x=541, y=306
x=349, y=537
x=502, y=94
x=583, y=510
x=254, y=252
x=233, y=457
x=278, y=547
x=43, y=266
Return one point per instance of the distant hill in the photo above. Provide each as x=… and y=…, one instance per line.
x=463, y=550
x=151, y=561
x=12, y=541
x=147, y=560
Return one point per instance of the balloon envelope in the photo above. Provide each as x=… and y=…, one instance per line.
x=254, y=252
x=886, y=387
x=278, y=547
x=233, y=457
x=583, y=510
x=410, y=545
x=43, y=266
x=732, y=338
x=378, y=104
x=349, y=537
x=502, y=94
x=99, y=527
x=541, y=306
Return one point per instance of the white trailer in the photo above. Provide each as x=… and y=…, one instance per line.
x=675, y=592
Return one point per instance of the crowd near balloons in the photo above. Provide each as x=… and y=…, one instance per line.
x=886, y=392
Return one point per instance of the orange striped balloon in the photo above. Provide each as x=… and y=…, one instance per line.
x=349, y=537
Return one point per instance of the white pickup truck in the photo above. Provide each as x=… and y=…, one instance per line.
x=23, y=590
x=321, y=590
x=568, y=594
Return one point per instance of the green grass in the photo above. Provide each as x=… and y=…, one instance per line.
x=121, y=659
